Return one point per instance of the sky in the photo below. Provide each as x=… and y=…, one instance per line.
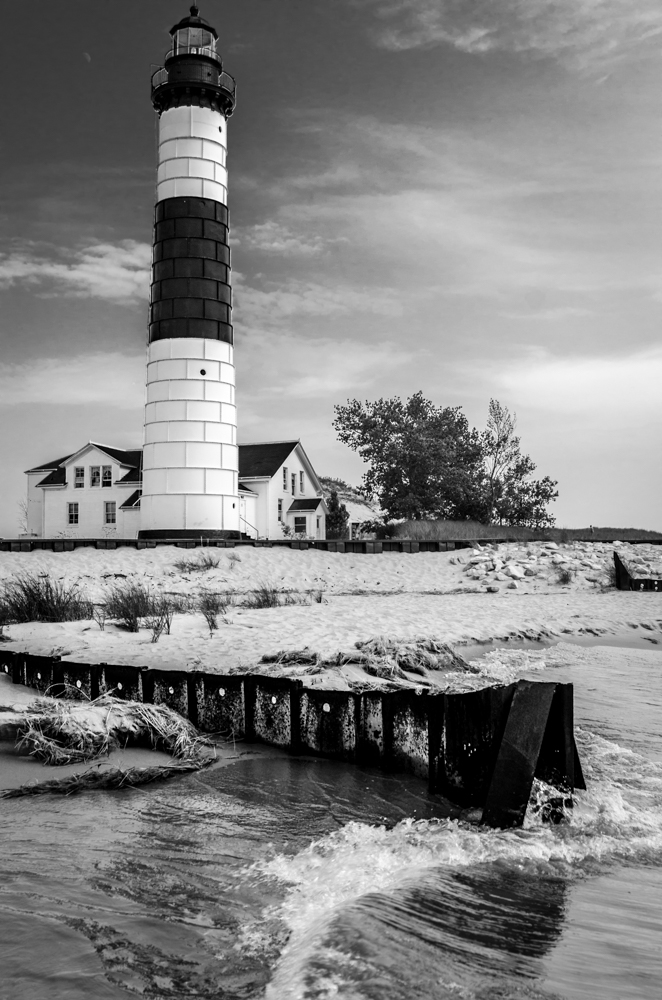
x=455, y=196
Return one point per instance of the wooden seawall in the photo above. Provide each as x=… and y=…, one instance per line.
x=478, y=749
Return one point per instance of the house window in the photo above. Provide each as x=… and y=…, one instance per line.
x=301, y=483
x=300, y=525
x=107, y=475
x=72, y=513
x=294, y=483
x=110, y=512
x=280, y=510
x=95, y=475
x=285, y=477
x=79, y=477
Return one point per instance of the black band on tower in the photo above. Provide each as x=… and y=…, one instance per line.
x=191, y=294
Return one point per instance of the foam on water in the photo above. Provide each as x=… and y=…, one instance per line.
x=619, y=817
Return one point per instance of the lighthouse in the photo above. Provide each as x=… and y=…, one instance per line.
x=190, y=458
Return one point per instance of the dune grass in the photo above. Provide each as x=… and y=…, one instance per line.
x=32, y=598
x=441, y=530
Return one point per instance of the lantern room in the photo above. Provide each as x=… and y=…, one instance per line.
x=193, y=36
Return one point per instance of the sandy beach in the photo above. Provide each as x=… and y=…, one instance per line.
x=514, y=592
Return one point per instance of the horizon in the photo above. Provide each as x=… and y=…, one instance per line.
x=422, y=196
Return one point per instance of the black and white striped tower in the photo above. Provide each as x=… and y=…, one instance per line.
x=190, y=462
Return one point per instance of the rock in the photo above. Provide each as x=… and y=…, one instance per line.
x=513, y=585
x=530, y=572
x=493, y=590
x=550, y=545
x=500, y=576
x=515, y=571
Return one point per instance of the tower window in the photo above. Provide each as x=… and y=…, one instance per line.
x=72, y=513
x=110, y=512
x=79, y=477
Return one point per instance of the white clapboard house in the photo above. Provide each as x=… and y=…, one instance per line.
x=96, y=491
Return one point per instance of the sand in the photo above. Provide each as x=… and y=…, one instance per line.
x=455, y=597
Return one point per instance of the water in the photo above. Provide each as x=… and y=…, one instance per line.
x=281, y=878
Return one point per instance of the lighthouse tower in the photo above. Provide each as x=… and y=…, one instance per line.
x=190, y=459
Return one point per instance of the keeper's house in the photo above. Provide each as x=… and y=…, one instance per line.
x=95, y=493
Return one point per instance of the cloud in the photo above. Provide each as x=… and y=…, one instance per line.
x=580, y=33
x=588, y=386
x=104, y=378
x=274, y=237
x=116, y=272
x=299, y=367
x=284, y=302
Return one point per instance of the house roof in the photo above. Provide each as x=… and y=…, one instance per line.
x=46, y=466
x=132, y=459
x=243, y=488
x=132, y=501
x=263, y=460
x=309, y=503
x=134, y=475
x=58, y=477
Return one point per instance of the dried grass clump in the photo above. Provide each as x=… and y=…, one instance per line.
x=30, y=598
x=69, y=732
x=129, y=602
x=95, y=778
x=381, y=657
x=202, y=564
x=266, y=595
x=212, y=605
x=415, y=655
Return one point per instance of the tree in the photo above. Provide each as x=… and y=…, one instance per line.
x=22, y=516
x=423, y=460
x=510, y=495
x=337, y=517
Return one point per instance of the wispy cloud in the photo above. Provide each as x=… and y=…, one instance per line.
x=116, y=272
x=587, y=386
x=101, y=379
x=303, y=368
x=579, y=33
x=280, y=302
x=274, y=237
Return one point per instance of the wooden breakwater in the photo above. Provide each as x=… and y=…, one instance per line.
x=477, y=749
x=626, y=582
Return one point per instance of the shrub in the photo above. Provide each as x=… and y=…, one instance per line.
x=212, y=605
x=202, y=564
x=565, y=576
x=266, y=595
x=30, y=598
x=129, y=602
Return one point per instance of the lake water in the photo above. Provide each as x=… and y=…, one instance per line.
x=283, y=878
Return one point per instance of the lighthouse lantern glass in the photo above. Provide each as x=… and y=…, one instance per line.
x=194, y=41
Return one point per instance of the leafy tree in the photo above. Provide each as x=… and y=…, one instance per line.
x=510, y=495
x=337, y=517
x=423, y=461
